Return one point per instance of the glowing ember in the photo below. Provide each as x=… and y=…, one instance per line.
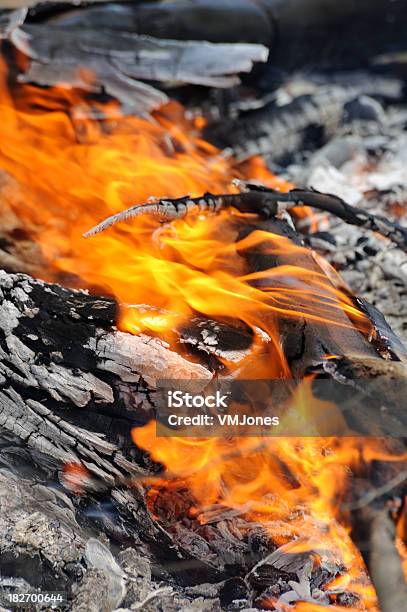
x=76, y=478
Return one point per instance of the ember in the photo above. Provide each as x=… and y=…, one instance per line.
x=198, y=287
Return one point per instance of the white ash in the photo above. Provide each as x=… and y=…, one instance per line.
x=368, y=172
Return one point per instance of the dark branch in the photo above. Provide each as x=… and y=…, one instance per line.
x=168, y=209
x=266, y=203
x=336, y=206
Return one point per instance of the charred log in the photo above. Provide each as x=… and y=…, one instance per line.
x=278, y=132
x=72, y=389
x=282, y=132
x=61, y=361
x=118, y=60
x=315, y=37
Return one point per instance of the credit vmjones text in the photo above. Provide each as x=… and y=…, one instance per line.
x=224, y=420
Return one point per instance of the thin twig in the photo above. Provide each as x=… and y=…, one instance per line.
x=334, y=205
x=264, y=202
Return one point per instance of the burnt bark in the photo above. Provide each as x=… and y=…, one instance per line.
x=72, y=384
x=119, y=59
x=72, y=387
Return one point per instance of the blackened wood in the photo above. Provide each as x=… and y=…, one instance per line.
x=334, y=205
x=280, y=131
x=72, y=388
x=222, y=21
x=72, y=385
x=309, y=31
x=263, y=201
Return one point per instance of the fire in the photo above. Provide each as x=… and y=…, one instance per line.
x=70, y=172
x=296, y=482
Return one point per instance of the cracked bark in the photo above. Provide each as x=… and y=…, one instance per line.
x=71, y=383
x=72, y=387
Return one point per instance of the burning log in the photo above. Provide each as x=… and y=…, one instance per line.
x=305, y=343
x=62, y=363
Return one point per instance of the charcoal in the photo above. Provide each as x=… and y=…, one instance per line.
x=272, y=593
x=217, y=338
x=268, y=576
x=233, y=593
x=363, y=108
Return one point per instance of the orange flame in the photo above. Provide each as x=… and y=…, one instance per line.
x=294, y=487
x=72, y=172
